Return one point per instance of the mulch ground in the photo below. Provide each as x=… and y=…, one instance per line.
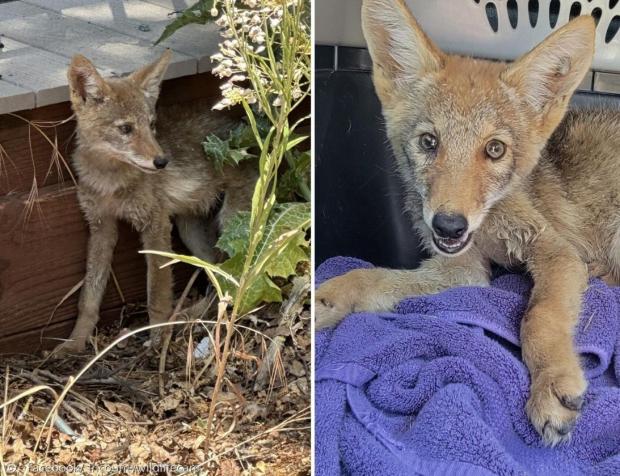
x=124, y=416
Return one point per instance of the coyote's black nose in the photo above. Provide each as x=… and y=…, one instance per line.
x=160, y=162
x=449, y=226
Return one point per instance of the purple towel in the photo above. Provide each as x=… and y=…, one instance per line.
x=438, y=387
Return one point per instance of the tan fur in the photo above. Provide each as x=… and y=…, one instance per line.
x=119, y=181
x=550, y=203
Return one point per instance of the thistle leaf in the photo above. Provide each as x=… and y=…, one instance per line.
x=295, y=181
x=262, y=289
x=281, y=249
x=232, y=150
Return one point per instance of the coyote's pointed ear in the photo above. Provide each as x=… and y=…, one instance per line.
x=401, y=52
x=149, y=77
x=548, y=75
x=85, y=82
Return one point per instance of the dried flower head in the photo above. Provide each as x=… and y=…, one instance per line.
x=253, y=35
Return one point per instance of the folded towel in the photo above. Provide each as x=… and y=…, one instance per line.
x=437, y=387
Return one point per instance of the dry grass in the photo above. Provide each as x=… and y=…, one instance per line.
x=124, y=410
x=57, y=163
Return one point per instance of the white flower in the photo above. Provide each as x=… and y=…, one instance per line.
x=224, y=103
x=228, y=52
x=222, y=71
x=255, y=31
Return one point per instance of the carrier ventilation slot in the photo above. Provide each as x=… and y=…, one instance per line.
x=554, y=12
x=513, y=13
x=491, y=11
x=612, y=29
x=532, y=8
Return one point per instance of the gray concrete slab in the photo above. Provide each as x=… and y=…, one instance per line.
x=13, y=98
x=41, y=36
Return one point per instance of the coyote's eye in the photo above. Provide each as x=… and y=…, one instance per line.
x=125, y=129
x=495, y=149
x=152, y=125
x=428, y=142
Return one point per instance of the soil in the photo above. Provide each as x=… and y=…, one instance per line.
x=124, y=417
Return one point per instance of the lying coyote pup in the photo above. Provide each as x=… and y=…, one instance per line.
x=126, y=174
x=495, y=172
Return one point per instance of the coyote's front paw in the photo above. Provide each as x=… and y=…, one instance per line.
x=354, y=291
x=555, y=402
x=157, y=337
x=71, y=346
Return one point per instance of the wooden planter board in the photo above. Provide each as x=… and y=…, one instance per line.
x=42, y=252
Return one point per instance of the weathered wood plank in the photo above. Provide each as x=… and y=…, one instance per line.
x=65, y=36
x=28, y=153
x=141, y=20
x=43, y=257
x=31, y=342
x=49, y=336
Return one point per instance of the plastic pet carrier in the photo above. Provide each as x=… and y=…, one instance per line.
x=358, y=194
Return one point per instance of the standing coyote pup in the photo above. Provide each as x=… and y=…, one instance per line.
x=496, y=171
x=126, y=174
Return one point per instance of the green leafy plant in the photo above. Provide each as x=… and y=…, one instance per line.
x=200, y=12
x=239, y=145
x=294, y=181
x=265, y=58
x=281, y=249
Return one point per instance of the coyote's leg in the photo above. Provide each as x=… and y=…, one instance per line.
x=380, y=289
x=156, y=237
x=198, y=235
x=101, y=243
x=557, y=380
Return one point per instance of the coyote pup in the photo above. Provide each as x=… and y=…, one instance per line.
x=125, y=173
x=496, y=170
